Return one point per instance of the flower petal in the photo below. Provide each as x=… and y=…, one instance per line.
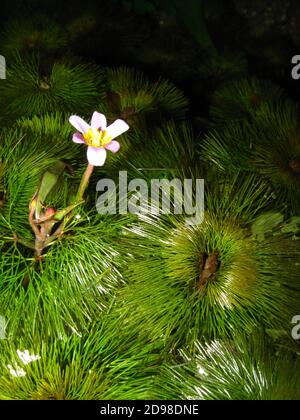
x=98, y=121
x=77, y=138
x=79, y=123
x=117, y=128
x=96, y=156
x=113, y=146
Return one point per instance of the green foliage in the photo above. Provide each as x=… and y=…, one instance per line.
x=145, y=306
x=32, y=90
x=223, y=68
x=26, y=156
x=131, y=95
x=95, y=366
x=30, y=153
x=249, y=285
x=50, y=127
x=243, y=369
x=164, y=152
x=49, y=181
x=241, y=100
x=80, y=274
x=268, y=146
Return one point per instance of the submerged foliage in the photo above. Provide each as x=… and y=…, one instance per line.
x=212, y=278
x=95, y=366
x=269, y=146
x=157, y=304
x=239, y=369
x=243, y=99
x=35, y=89
x=131, y=95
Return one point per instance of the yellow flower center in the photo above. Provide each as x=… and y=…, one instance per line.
x=96, y=138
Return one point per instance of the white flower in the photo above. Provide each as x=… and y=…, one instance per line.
x=16, y=371
x=26, y=358
x=97, y=136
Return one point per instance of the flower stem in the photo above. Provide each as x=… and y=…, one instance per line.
x=84, y=182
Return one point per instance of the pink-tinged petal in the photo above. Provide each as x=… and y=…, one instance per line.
x=98, y=121
x=79, y=123
x=113, y=146
x=77, y=138
x=117, y=128
x=96, y=156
